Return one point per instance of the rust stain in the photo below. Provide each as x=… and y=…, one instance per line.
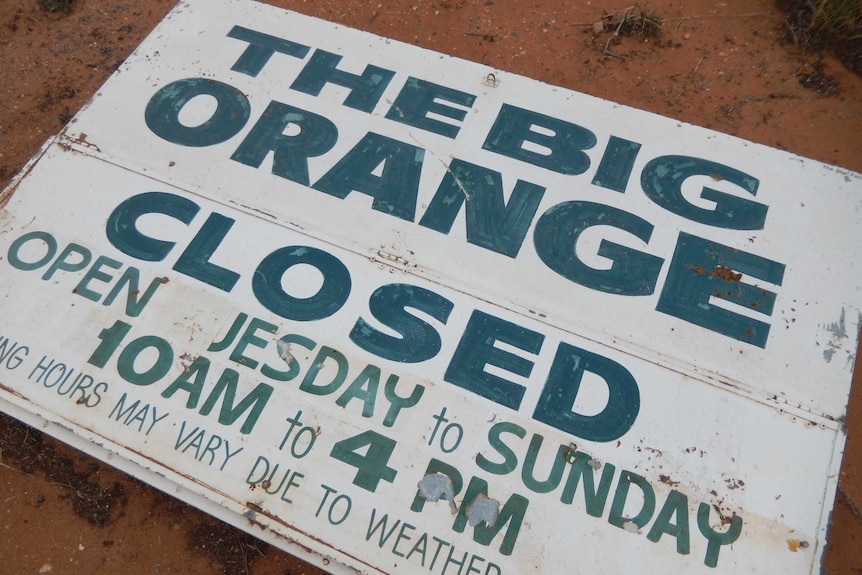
x=725, y=273
x=721, y=272
x=735, y=483
x=13, y=392
x=82, y=139
x=667, y=480
x=725, y=520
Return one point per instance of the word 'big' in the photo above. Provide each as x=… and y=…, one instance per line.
x=390, y=171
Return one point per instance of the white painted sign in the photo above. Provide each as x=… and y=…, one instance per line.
x=398, y=312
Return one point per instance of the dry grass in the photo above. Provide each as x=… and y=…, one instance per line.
x=830, y=18
x=64, y=6
x=826, y=25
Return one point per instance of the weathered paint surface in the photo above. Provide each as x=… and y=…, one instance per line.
x=407, y=313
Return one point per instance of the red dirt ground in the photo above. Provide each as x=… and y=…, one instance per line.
x=722, y=65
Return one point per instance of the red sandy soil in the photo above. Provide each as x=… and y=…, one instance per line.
x=722, y=65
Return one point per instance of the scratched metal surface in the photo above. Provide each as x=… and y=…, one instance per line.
x=726, y=432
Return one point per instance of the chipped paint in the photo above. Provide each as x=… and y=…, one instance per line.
x=436, y=486
x=483, y=508
x=630, y=527
x=838, y=338
x=283, y=349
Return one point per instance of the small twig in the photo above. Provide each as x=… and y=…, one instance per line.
x=486, y=37
x=696, y=66
x=22, y=472
x=678, y=24
x=655, y=23
x=245, y=559
x=792, y=31
x=616, y=33
x=256, y=549
x=726, y=16
x=12, y=468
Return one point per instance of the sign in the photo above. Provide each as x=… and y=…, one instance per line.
x=401, y=313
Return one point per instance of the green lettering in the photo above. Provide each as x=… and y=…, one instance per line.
x=396, y=402
x=254, y=402
x=364, y=388
x=561, y=144
x=512, y=513
x=95, y=273
x=293, y=367
x=317, y=135
x=663, y=178
x=632, y=272
x=716, y=539
x=159, y=368
x=73, y=258
x=394, y=191
x=492, y=223
x=131, y=277
x=420, y=97
x=675, y=504
x=557, y=465
x=642, y=517
x=510, y=460
x=162, y=114
x=594, y=498
x=198, y=370
x=309, y=384
x=365, y=89
x=14, y=251
x=250, y=337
